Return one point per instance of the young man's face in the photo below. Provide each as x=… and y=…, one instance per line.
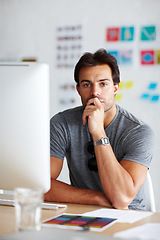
x=97, y=82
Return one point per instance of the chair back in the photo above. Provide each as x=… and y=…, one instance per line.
x=149, y=194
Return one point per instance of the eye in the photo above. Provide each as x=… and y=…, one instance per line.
x=103, y=84
x=85, y=85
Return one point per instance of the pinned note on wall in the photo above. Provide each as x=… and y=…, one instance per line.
x=151, y=93
x=123, y=87
x=127, y=33
x=147, y=57
x=148, y=33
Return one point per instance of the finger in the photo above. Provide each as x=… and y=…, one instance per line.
x=84, y=118
x=87, y=112
x=91, y=101
x=94, y=101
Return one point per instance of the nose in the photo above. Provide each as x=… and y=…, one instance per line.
x=95, y=91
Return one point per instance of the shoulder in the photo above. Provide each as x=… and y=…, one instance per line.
x=69, y=115
x=128, y=116
x=133, y=123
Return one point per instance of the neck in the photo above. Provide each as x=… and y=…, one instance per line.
x=109, y=115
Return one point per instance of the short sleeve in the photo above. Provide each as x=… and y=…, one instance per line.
x=139, y=145
x=59, y=136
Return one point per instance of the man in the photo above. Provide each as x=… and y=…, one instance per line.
x=108, y=150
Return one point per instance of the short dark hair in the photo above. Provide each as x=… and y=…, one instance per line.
x=100, y=57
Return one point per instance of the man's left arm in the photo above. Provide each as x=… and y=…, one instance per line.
x=120, y=180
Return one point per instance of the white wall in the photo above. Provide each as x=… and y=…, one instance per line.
x=28, y=29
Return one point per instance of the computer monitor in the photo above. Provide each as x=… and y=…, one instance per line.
x=24, y=126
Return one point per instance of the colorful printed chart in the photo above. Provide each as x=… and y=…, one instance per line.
x=114, y=34
x=79, y=222
x=148, y=33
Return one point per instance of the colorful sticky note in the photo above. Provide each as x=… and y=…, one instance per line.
x=127, y=33
x=118, y=97
x=148, y=33
x=152, y=86
x=155, y=98
x=145, y=96
x=113, y=34
x=126, y=84
x=147, y=57
x=129, y=84
x=121, y=85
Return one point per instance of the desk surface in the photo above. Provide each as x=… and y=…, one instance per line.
x=7, y=218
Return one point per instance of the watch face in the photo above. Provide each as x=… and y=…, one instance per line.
x=105, y=140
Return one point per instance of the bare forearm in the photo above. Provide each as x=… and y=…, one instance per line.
x=62, y=192
x=121, y=188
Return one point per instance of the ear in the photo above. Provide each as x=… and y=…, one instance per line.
x=116, y=88
x=77, y=88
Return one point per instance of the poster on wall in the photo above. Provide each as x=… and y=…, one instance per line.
x=69, y=47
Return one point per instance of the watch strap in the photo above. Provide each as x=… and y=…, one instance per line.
x=102, y=141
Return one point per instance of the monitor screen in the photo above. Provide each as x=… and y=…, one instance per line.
x=24, y=126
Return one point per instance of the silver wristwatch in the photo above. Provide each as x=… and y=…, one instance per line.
x=102, y=141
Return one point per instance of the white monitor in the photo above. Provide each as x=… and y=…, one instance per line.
x=24, y=126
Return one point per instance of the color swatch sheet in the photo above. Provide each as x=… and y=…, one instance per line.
x=80, y=222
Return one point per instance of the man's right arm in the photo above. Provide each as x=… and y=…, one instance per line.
x=62, y=192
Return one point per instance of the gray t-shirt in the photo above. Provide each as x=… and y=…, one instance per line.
x=130, y=138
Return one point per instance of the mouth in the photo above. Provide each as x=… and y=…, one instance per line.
x=101, y=101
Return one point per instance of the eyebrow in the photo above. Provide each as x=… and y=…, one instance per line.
x=101, y=80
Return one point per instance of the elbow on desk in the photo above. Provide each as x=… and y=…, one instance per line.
x=121, y=199
x=120, y=206
x=121, y=203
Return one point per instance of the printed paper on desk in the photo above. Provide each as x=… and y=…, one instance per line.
x=79, y=222
x=125, y=216
x=149, y=231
